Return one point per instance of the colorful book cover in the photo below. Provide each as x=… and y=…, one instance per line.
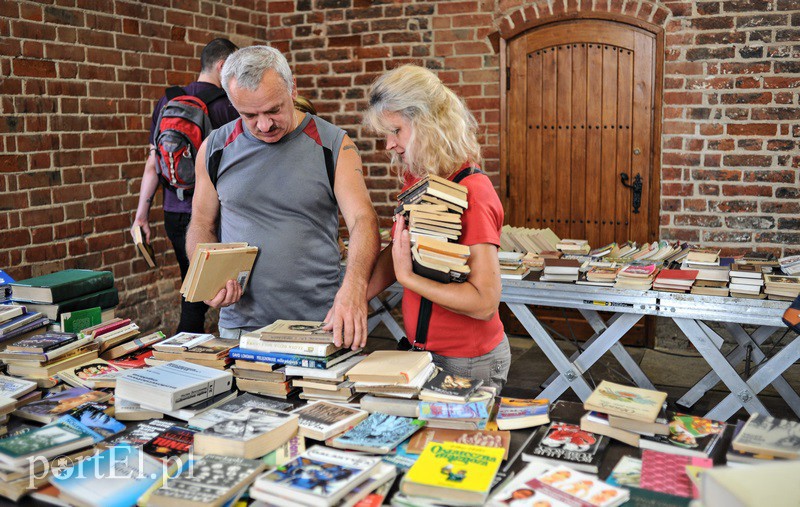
x=290, y=449
x=638, y=271
x=135, y=359
x=484, y=438
x=561, y=442
x=576, y=488
x=140, y=433
x=515, y=408
x=456, y=466
x=449, y=384
x=39, y=441
x=624, y=401
x=473, y=410
x=11, y=387
x=320, y=363
x=517, y=492
x=43, y=342
x=666, y=473
x=51, y=407
x=77, y=321
x=379, y=431
x=75, y=424
x=117, y=477
x=174, y=441
x=402, y=459
x=93, y=369
x=627, y=473
x=93, y=416
x=688, y=435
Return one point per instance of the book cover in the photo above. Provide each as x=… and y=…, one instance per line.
x=18, y=321
x=379, y=433
x=43, y=342
x=321, y=363
x=74, y=322
x=12, y=387
x=144, y=248
x=105, y=299
x=45, y=441
x=62, y=285
x=485, y=438
x=116, y=477
x=305, y=331
x=94, y=417
x=565, y=443
x=689, y=435
x=210, y=481
x=666, y=473
x=78, y=376
x=768, y=435
x=576, y=488
x=251, y=341
x=135, y=359
x=624, y=401
x=248, y=424
x=627, y=473
x=452, y=466
x=242, y=402
x=323, y=417
x=735, y=456
x=321, y=475
x=517, y=408
x=55, y=405
x=288, y=451
x=449, y=384
x=183, y=341
x=401, y=458
x=472, y=411
x=140, y=433
x=390, y=366
x=174, y=441
x=516, y=491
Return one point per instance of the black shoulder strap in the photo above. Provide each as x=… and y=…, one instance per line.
x=174, y=91
x=210, y=95
x=214, y=160
x=330, y=168
x=425, y=305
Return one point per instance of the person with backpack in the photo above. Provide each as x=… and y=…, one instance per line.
x=277, y=179
x=181, y=120
x=429, y=130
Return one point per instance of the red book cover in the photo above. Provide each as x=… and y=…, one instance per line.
x=677, y=274
x=134, y=359
x=111, y=327
x=666, y=473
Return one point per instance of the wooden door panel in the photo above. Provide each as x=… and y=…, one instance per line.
x=578, y=156
x=535, y=131
x=549, y=119
x=624, y=100
x=594, y=112
x=517, y=180
x=608, y=173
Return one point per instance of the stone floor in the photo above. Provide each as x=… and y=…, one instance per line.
x=672, y=372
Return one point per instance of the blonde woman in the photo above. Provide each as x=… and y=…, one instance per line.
x=429, y=130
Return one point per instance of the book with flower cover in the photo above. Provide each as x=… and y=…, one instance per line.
x=562, y=443
x=625, y=401
x=689, y=435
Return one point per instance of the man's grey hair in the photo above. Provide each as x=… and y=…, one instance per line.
x=249, y=64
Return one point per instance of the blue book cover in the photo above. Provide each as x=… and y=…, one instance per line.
x=116, y=477
x=19, y=321
x=401, y=459
x=93, y=416
x=379, y=433
x=76, y=424
x=320, y=363
x=474, y=410
x=5, y=278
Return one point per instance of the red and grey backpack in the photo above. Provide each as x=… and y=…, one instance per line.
x=182, y=125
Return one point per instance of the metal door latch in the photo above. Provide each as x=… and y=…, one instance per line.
x=636, y=187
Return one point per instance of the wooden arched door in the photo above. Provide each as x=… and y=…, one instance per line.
x=580, y=111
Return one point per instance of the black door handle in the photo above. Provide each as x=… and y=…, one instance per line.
x=636, y=187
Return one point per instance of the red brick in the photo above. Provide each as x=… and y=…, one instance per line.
x=752, y=129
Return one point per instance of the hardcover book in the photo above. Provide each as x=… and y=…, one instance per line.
x=105, y=299
x=322, y=420
x=484, y=438
x=77, y=321
x=62, y=285
x=213, y=480
x=624, y=401
x=576, y=488
x=117, y=477
x=378, y=433
x=770, y=436
x=54, y=406
x=334, y=472
x=689, y=436
x=460, y=472
x=563, y=443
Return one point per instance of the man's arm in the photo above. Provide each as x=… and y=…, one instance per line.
x=146, y=193
x=348, y=316
x=203, y=227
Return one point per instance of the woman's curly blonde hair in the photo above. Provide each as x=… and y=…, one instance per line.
x=443, y=131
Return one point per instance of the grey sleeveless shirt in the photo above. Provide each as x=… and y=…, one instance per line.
x=277, y=196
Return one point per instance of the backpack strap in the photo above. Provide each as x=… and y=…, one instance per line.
x=174, y=91
x=210, y=95
x=425, y=304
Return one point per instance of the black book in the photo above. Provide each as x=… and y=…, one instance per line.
x=563, y=443
x=174, y=441
x=448, y=385
x=42, y=343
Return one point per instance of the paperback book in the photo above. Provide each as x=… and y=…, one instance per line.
x=48, y=441
x=689, y=436
x=11, y=387
x=770, y=436
x=242, y=402
x=484, y=438
x=175, y=441
x=378, y=433
x=249, y=434
x=564, y=443
x=322, y=420
x=446, y=386
x=516, y=413
x=624, y=401
x=575, y=488
x=54, y=406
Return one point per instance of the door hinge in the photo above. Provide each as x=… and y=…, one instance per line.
x=508, y=78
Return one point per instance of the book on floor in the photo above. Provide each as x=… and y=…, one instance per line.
x=249, y=433
x=689, y=436
x=459, y=472
x=62, y=285
x=624, y=401
x=562, y=443
x=516, y=413
x=335, y=473
x=172, y=385
x=378, y=434
x=766, y=435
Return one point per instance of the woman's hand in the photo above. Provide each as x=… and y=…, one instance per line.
x=401, y=251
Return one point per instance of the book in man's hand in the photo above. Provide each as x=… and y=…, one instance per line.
x=146, y=249
x=212, y=266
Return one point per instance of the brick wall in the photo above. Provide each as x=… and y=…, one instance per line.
x=75, y=115
x=76, y=107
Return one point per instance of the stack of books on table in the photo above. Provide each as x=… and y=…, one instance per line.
x=393, y=376
x=41, y=356
x=746, y=280
x=14, y=393
x=264, y=356
x=199, y=348
x=782, y=287
x=560, y=270
x=790, y=265
x=522, y=239
x=67, y=291
x=676, y=280
x=600, y=276
x=16, y=323
x=213, y=264
x=636, y=276
x=512, y=266
x=573, y=246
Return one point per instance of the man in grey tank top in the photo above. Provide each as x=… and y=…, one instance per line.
x=273, y=191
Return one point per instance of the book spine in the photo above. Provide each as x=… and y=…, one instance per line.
x=306, y=349
x=200, y=391
x=72, y=290
x=274, y=358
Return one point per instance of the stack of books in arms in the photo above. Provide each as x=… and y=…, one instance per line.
x=213, y=264
x=265, y=356
x=782, y=287
x=67, y=291
x=17, y=323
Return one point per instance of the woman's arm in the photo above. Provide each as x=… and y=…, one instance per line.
x=382, y=275
x=478, y=297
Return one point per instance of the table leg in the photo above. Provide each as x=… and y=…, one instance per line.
x=705, y=345
x=383, y=314
x=573, y=379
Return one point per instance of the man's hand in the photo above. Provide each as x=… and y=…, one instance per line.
x=228, y=295
x=145, y=225
x=401, y=250
x=348, y=318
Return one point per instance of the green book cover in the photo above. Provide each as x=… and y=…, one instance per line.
x=62, y=285
x=74, y=322
x=40, y=440
x=104, y=299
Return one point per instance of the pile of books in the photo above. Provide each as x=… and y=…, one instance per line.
x=790, y=265
x=394, y=377
x=762, y=438
x=14, y=393
x=636, y=276
x=17, y=323
x=66, y=291
x=746, y=280
x=600, y=276
x=213, y=264
x=782, y=287
x=676, y=280
x=40, y=357
x=198, y=348
x=573, y=246
x=512, y=266
x=525, y=240
x=264, y=358
x=560, y=270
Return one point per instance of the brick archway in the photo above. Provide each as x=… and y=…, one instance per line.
x=643, y=13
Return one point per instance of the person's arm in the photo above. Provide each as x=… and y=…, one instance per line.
x=382, y=275
x=348, y=315
x=478, y=297
x=203, y=227
x=146, y=193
